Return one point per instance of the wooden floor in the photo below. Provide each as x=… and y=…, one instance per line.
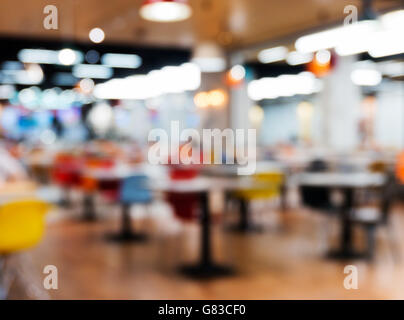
x=286, y=261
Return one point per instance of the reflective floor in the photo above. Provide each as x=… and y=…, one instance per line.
x=285, y=261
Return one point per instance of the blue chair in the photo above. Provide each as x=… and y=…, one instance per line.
x=134, y=190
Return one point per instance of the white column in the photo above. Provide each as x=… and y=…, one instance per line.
x=339, y=106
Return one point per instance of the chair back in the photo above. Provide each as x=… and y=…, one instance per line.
x=272, y=180
x=22, y=225
x=377, y=167
x=185, y=205
x=66, y=170
x=135, y=189
x=317, y=165
x=109, y=188
x=316, y=197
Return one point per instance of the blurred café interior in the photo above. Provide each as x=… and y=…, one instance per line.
x=83, y=84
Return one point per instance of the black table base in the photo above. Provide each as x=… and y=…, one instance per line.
x=126, y=234
x=206, y=268
x=249, y=228
x=65, y=201
x=346, y=250
x=89, y=214
x=203, y=271
x=346, y=255
x=245, y=225
x=127, y=237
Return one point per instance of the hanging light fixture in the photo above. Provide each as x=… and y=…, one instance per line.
x=347, y=39
x=165, y=10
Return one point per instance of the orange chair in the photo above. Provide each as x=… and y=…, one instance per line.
x=400, y=167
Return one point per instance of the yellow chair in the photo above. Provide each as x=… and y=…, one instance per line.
x=22, y=225
x=272, y=180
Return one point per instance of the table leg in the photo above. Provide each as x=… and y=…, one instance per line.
x=283, y=191
x=89, y=208
x=206, y=268
x=245, y=224
x=346, y=250
x=65, y=202
x=126, y=233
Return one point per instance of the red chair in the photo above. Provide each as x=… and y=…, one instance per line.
x=109, y=189
x=183, y=173
x=185, y=205
x=66, y=173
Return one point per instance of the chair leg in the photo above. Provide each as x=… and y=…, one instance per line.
x=7, y=277
x=371, y=235
x=393, y=241
x=3, y=290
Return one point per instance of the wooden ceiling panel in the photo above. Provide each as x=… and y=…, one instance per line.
x=233, y=23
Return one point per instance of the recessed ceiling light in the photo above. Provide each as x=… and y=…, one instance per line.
x=366, y=77
x=165, y=10
x=67, y=57
x=97, y=35
x=272, y=54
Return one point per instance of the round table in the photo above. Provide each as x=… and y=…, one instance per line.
x=205, y=267
x=348, y=183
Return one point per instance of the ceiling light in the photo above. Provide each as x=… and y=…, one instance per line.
x=237, y=72
x=387, y=44
x=273, y=54
x=38, y=56
x=393, y=20
x=97, y=35
x=339, y=36
x=323, y=57
x=92, y=71
x=284, y=86
x=186, y=77
x=86, y=85
x=67, y=57
x=366, y=77
x=92, y=56
x=295, y=58
x=165, y=10
x=119, y=60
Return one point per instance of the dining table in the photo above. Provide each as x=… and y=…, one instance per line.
x=347, y=183
x=245, y=224
x=202, y=185
x=205, y=267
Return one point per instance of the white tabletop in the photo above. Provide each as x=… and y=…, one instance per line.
x=339, y=179
x=204, y=184
x=232, y=169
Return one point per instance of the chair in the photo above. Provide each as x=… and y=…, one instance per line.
x=185, y=205
x=66, y=173
x=318, y=198
x=317, y=165
x=372, y=218
x=134, y=190
x=108, y=188
x=22, y=226
x=272, y=180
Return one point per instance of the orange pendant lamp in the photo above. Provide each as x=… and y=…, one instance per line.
x=165, y=10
